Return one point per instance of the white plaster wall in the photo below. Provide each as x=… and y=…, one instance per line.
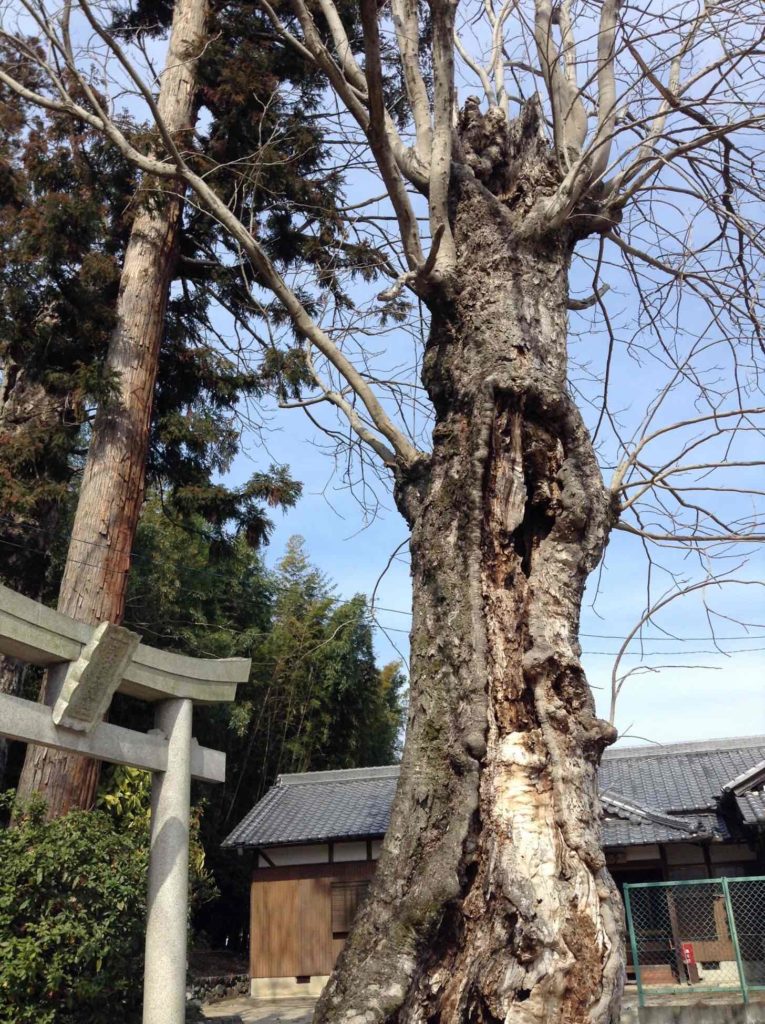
x=284, y=856
x=349, y=851
x=318, y=853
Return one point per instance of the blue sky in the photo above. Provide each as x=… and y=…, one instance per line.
x=695, y=689
x=716, y=696
x=687, y=687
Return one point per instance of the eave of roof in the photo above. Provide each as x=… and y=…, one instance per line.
x=747, y=781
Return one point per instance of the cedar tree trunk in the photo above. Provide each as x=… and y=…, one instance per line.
x=492, y=901
x=95, y=578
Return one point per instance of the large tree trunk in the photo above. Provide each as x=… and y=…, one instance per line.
x=492, y=901
x=95, y=577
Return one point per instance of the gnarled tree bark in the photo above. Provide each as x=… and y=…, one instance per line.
x=492, y=901
x=94, y=584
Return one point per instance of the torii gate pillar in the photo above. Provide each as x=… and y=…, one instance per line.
x=164, y=992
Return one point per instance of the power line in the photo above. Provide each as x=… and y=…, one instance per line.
x=668, y=654
x=637, y=654
x=619, y=636
x=208, y=573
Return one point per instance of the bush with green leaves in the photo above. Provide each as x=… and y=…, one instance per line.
x=125, y=794
x=72, y=908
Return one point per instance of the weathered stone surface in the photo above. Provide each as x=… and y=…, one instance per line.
x=92, y=680
x=225, y=986
x=29, y=722
x=40, y=635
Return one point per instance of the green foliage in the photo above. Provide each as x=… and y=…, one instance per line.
x=125, y=795
x=72, y=907
x=190, y=594
x=63, y=226
x=326, y=704
x=265, y=133
x=315, y=698
x=67, y=202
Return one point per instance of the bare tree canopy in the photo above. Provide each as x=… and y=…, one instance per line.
x=566, y=200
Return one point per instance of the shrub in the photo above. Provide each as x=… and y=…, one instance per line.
x=126, y=796
x=72, y=908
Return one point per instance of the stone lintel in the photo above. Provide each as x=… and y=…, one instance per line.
x=30, y=722
x=40, y=635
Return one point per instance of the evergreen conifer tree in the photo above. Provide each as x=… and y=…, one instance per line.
x=153, y=369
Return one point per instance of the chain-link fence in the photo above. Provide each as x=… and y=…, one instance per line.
x=706, y=935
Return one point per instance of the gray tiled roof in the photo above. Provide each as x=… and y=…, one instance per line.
x=320, y=806
x=752, y=807
x=681, y=777
x=650, y=794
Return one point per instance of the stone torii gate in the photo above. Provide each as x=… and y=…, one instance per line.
x=86, y=666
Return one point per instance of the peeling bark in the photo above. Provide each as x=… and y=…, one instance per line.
x=94, y=584
x=492, y=901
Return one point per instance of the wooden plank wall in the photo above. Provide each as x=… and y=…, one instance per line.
x=291, y=918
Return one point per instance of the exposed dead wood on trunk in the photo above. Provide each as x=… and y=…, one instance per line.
x=493, y=901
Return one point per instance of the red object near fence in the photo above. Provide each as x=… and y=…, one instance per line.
x=687, y=953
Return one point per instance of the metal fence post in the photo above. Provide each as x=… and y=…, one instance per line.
x=633, y=944
x=734, y=939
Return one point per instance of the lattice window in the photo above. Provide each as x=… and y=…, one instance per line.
x=346, y=899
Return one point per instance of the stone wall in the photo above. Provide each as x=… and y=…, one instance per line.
x=213, y=989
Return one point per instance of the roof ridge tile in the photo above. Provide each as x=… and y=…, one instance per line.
x=709, y=746
x=386, y=771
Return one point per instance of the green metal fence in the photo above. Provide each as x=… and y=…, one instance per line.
x=707, y=936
